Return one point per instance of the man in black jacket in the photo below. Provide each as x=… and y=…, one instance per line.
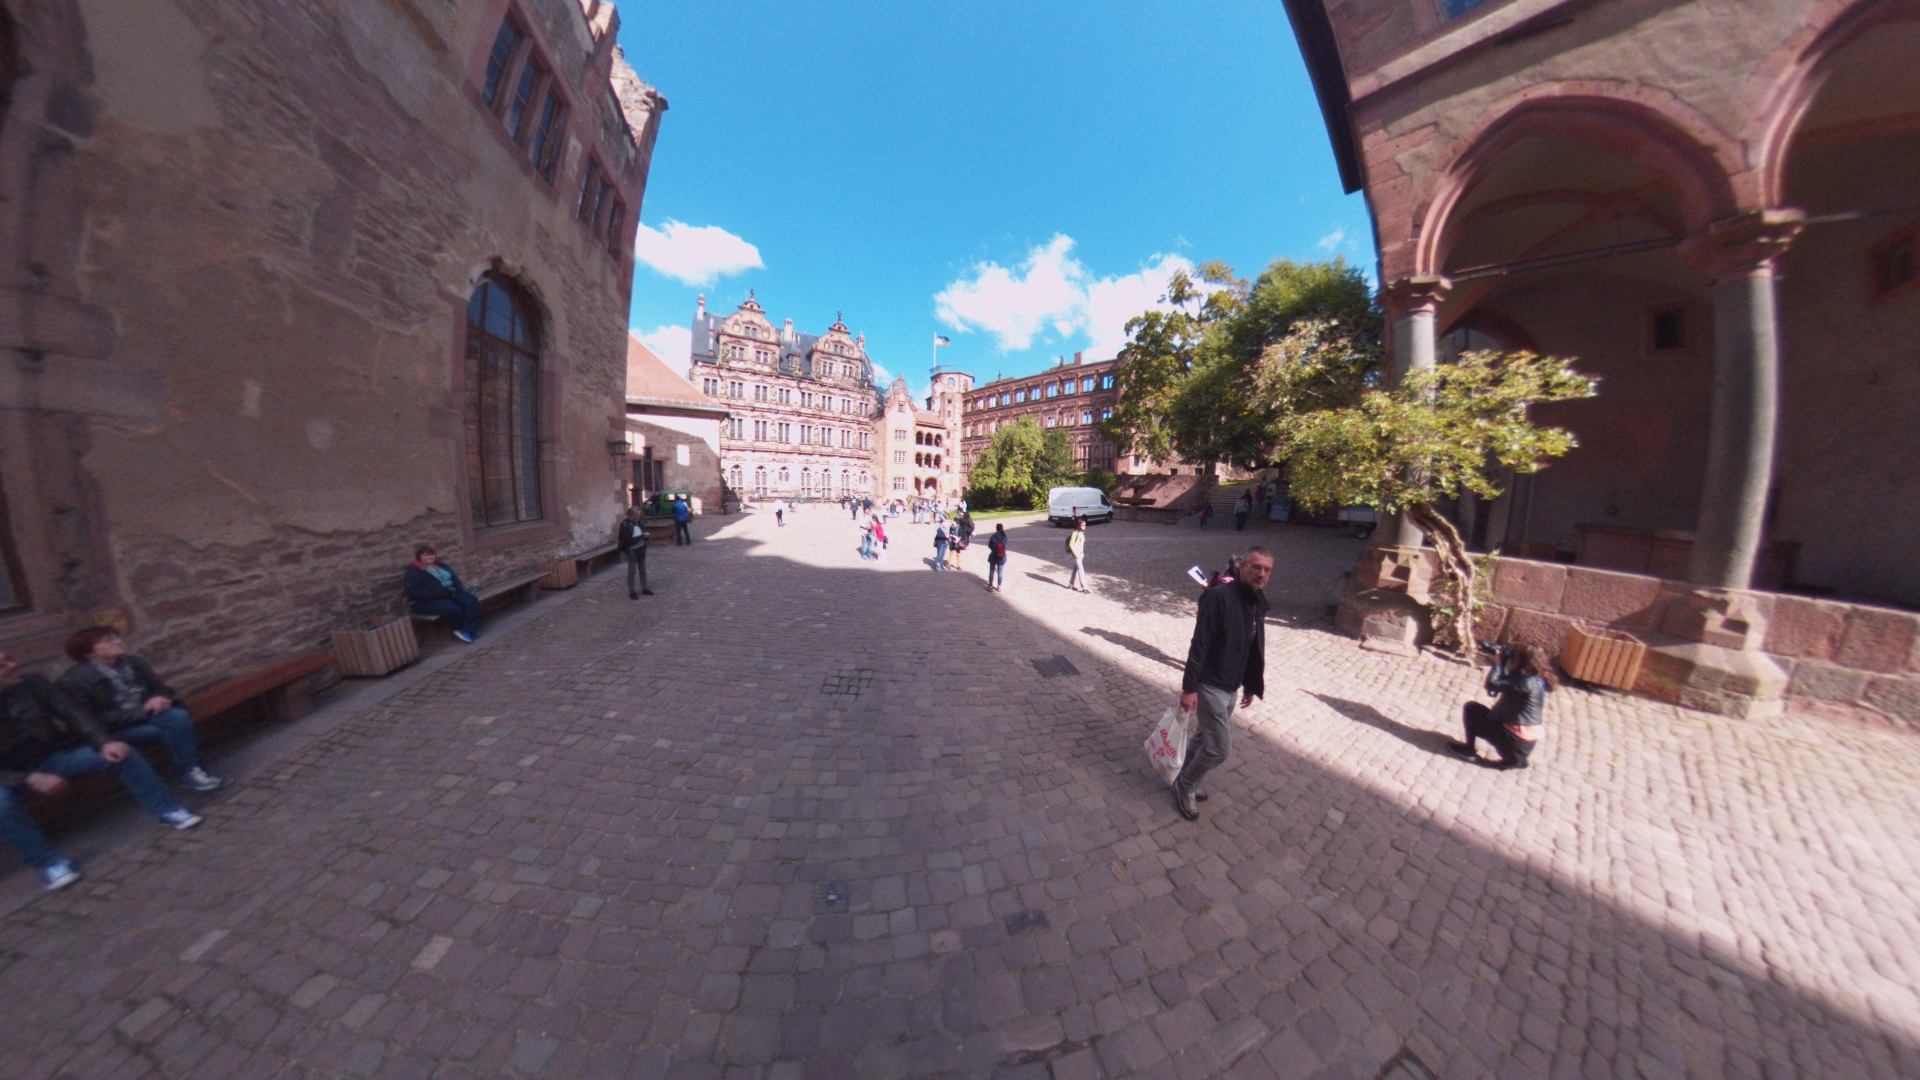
x=631, y=536
x=45, y=739
x=125, y=695
x=1228, y=654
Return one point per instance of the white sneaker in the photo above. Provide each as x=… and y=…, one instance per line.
x=182, y=818
x=202, y=780
x=60, y=875
x=463, y=636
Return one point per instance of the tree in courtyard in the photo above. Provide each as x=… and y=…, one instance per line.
x=1437, y=433
x=1022, y=461
x=1190, y=376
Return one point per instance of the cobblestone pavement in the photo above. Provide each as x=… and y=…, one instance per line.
x=800, y=816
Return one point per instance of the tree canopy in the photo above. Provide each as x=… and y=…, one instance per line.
x=1021, y=462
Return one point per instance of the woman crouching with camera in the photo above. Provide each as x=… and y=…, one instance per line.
x=1522, y=677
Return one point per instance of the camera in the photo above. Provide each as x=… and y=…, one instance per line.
x=1503, y=653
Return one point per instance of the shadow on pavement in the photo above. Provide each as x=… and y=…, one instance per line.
x=1135, y=645
x=1431, y=741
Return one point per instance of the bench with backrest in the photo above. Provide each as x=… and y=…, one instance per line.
x=507, y=592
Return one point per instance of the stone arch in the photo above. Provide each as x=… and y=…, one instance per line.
x=1693, y=158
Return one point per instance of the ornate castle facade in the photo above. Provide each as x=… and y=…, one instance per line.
x=801, y=407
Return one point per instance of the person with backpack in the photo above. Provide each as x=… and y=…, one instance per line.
x=997, y=558
x=940, y=542
x=682, y=521
x=630, y=536
x=962, y=537
x=1077, y=547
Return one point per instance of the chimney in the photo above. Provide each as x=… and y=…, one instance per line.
x=1076, y=359
x=787, y=335
x=703, y=305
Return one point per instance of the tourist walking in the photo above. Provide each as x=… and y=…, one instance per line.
x=963, y=537
x=880, y=539
x=47, y=739
x=866, y=538
x=997, y=558
x=630, y=536
x=1241, y=511
x=1522, y=678
x=940, y=541
x=1077, y=547
x=1228, y=654
x=434, y=589
x=126, y=697
x=682, y=521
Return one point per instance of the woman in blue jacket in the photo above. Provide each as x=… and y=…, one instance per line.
x=1521, y=678
x=434, y=589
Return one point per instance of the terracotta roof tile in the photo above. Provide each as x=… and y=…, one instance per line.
x=651, y=382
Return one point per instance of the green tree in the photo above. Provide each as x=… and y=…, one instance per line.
x=1437, y=433
x=1190, y=376
x=1022, y=462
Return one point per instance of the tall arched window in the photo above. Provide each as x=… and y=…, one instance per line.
x=806, y=483
x=760, y=483
x=503, y=405
x=735, y=478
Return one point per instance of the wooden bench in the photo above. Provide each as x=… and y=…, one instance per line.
x=590, y=561
x=510, y=592
x=273, y=687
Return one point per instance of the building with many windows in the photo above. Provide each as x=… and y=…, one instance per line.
x=310, y=284
x=801, y=406
x=915, y=459
x=1073, y=395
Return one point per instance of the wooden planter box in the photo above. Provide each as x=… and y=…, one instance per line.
x=1604, y=657
x=375, y=648
x=561, y=574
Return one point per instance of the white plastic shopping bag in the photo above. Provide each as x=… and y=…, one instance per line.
x=1166, y=744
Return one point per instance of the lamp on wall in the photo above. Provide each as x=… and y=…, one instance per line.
x=620, y=447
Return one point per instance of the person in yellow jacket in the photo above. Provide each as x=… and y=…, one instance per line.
x=1077, y=547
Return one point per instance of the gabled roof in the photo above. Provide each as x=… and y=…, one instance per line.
x=651, y=382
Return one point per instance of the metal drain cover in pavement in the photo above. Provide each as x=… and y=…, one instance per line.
x=830, y=898
x=1021, y=922
x=846, y=683
x=1058, y=665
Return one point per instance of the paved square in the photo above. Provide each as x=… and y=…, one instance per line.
x=802, y=816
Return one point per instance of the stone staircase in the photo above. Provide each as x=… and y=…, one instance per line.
x=1224, y=497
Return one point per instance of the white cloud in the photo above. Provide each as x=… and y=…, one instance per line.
x=881, y=376
x=695, y=254
x=1052, y=290
x=674, y=345
x=1332, y=239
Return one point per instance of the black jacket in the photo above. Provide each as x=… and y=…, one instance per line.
x=1229, y=647
x=87, y=685
x=422, y=586
x=1523, y=698
x=38, y=721
x=630, y=535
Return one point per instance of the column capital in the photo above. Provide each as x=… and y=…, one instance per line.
x=1744, y=245
x=1420, y=294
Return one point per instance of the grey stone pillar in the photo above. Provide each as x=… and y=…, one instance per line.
x=1739, y=254
x=1411, y=305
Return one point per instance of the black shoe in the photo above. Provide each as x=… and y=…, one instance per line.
x=1463, y=751
x=631, y=595
x=646, y=592
x=1183, y=802
x=1199, y=796
x=1512, y=764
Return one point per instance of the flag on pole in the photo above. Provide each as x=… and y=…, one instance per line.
x=939, y=340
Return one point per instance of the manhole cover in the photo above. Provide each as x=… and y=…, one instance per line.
x=1021, y=922
x=846, y=683
x=830, y=898
x=1052, y=666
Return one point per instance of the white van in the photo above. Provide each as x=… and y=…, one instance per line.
x=1066, y=503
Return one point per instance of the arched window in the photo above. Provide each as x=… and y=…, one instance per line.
x=846, y=480
x=865, y=481
x=786, y=478
x=735, y=478
x=503, y=405
x=760, y=483
x=806, y=483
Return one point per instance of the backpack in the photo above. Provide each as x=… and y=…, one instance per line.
x=997, y=547
x=1069, y=544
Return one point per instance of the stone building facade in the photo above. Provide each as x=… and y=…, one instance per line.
x=915, y=456
x=1075, y=395
x=1715, y=208
x=292, y=286
x=801, y=407
x=673, y=433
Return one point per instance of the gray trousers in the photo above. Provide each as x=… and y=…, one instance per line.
x=1078, y=580
x=636, y=564
x=1212, y=738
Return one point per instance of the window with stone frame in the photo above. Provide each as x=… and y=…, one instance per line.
x=519, y=89
x=503, y=405
x=1894, y=263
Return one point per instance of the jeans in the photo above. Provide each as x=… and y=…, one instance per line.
x=1212, y=739
x=462, y=612
x=18, y=830
x=1079, y=578
x=636, y=565
x=1481, y=724
x=866, y=545
x=172, y=729
x=996, y=574
x=682, y=533
x=1239, y=520
x=940, y=555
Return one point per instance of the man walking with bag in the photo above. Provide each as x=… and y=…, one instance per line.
x=631, y=538
x=1228, y=654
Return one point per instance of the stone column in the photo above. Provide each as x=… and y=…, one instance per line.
x=1411, y=305
x=1739, y=255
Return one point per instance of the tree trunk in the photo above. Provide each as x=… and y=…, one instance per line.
x=1456, y=571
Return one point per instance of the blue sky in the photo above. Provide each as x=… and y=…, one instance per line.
x=1019, y=177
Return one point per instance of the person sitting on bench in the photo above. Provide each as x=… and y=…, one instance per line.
x=128, y=699
x=45, y=738
x=434, y=589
